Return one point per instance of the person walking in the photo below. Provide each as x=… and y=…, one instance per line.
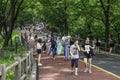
x=44, y=45
x=53, y=47
x=67, y=49
x=59, y=46
x=98, y=45
x=74, y=52
x=39, y=51
x=87, y=48
x=49, y=46
x=111, y=43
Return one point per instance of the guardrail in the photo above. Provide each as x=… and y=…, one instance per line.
x=103, y=48
x=21, y=66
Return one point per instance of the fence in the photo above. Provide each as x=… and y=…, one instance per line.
x=21, y=66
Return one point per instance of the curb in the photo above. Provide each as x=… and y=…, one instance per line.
x=110, y=55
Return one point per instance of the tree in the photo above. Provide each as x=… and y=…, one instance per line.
x=10, y=11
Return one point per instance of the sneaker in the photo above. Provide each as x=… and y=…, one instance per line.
x=53, y=58
x=86, y=70
x=39, y=64
x=76, y=74
x=90, y=71
x=72, y=72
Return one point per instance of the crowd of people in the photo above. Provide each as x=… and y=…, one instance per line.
x=62, y=45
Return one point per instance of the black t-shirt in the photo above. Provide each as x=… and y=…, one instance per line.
x=87, y=48
x=53, y=44
x=112, y=41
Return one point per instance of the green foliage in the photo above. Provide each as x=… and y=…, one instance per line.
x=8, y=59
x=10, y=75
x=30, y=12
x=9, y=54
x=85, y=17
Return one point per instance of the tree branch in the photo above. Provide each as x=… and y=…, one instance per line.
x=103, y=7
x=91, y=14
x=18, y=8
x=0, y=1
x=96, y=18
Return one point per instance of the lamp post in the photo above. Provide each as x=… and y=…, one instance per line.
x=16, y=43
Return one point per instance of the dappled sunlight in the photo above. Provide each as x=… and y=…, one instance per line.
x=47, y=67
x=50, y=76
x=45, y=57
x=65, y=70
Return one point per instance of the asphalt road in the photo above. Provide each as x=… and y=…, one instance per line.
x=106, y=62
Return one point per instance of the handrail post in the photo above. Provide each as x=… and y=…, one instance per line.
x=25, y=66
x=30, y=61
x=18, y=69
x=37, y=70
x=3, y=72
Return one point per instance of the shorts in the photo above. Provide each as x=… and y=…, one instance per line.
x=74, y=62
x=97, y=44
x=44, y=47
x=87, y=55
x=112, y=45
x=39, y=51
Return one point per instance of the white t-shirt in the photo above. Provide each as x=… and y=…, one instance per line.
x=87, y=48
x=74, y=51
x=31, y=38
x=38, y=46
x=63, y=38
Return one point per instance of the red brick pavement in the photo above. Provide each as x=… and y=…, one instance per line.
x=60, y=70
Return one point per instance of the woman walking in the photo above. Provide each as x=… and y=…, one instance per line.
x=74, y=57
x=59, y=46
x=39, y=51
x=87, y=48
x=111, y=43
x=67, y=49
x=98, y=45
x=49, y=46
x=53, y=47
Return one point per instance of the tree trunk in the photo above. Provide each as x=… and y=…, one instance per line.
x=118, y=38
x=66, y=26
x=66, y=18
x=6, y=40
x=106, y=11
x=107, y=34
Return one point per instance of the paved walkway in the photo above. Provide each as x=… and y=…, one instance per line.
x=60, y=70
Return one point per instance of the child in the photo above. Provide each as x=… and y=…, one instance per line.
x=74, y=56
x=88, y=53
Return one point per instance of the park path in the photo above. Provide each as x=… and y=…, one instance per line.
x=60, y=70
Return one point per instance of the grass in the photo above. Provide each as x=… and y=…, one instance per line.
x=8, y=57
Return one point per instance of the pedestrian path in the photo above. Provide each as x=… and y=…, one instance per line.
x=60, y=70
